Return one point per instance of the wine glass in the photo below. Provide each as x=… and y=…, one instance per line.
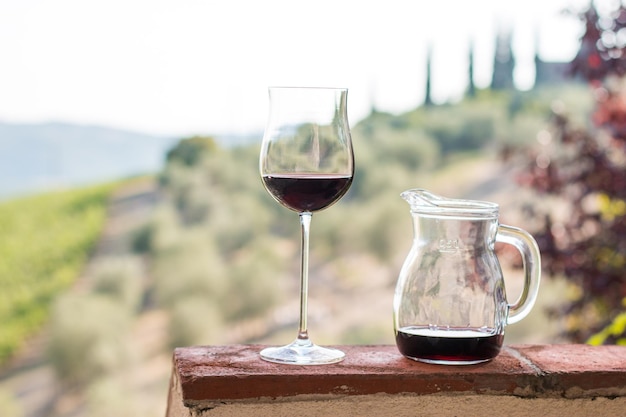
x=306, y=164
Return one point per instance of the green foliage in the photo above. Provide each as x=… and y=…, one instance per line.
x=208, y=263
x=88, y=337
x=143, y=239
x=119, y=278
x=45, y=242
x=191, y=266
x=614, y=333
x=190, y=151
x=194, y=320
x=253, y=270
x=189, y=189
x=89, y=331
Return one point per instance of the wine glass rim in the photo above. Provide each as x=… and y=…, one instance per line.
x=277, y=87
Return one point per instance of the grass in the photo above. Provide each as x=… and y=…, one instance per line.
x=44, y=242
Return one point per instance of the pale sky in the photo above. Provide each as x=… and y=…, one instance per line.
x=181, y=67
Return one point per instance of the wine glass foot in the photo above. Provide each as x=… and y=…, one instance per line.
x=302, y=352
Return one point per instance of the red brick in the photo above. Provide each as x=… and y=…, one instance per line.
x=237, y=372
x=579, y=370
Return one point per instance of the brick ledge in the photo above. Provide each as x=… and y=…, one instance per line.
x=213, y=374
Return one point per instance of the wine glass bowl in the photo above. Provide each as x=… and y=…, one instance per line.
x=305, y=192
x=307, y=164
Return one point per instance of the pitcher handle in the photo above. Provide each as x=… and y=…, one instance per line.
x=531, y=259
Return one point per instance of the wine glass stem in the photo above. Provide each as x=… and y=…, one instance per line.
x=305, y=224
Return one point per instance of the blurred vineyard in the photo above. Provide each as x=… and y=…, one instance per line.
x=45, y=241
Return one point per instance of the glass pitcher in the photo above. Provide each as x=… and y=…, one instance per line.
x=450, y=303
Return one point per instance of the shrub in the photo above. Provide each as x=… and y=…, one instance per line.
x=88, y=337
x=166, y=230
x=192, y=266
x=121, y=279
x=253, y=287
x=234, y=224
x=195, y=320
x=189, y=151
x=583, y=168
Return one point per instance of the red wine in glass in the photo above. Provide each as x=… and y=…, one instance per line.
x=306, y=192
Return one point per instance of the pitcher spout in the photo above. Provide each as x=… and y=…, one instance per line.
x=424, y=201
x=419, y=197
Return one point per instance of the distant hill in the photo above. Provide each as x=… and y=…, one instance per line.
x=36, y=157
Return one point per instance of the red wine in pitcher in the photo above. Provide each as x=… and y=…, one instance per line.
x=307, y=192
x=449, y=345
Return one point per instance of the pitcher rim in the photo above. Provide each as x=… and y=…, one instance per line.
x=448, y=206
